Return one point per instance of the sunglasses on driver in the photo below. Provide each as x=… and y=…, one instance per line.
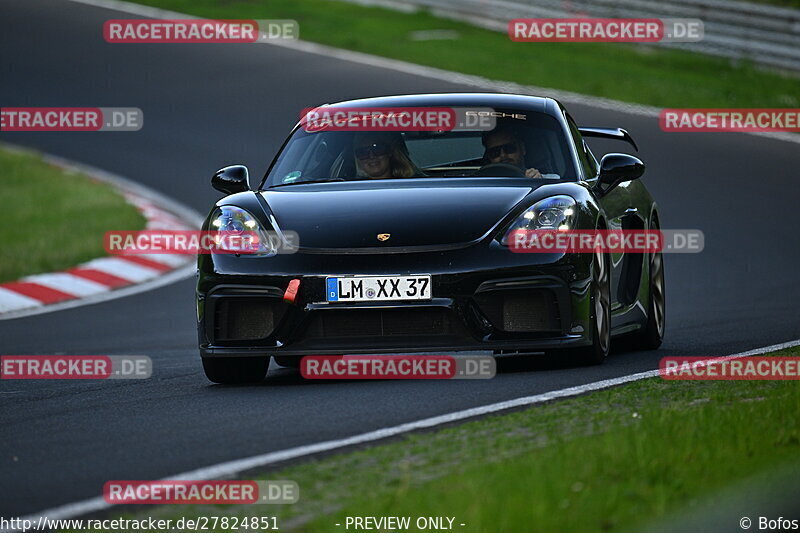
x=371, y=150
x=508, y=148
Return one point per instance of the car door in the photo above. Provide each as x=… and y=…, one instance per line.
x=619, y=214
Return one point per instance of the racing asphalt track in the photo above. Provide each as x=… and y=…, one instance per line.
x=206, y=106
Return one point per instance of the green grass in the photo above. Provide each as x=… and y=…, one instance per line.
x=613, y=460
x=54, y=220
x=781, y=3
x=646, y=75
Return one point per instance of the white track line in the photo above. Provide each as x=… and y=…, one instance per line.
x=567, y=97
x=233, y=468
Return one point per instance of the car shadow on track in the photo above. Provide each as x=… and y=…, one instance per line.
x=540, y=362
x=506, y=364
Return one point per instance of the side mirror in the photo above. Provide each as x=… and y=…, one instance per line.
x=232, y=179
x=616, y=168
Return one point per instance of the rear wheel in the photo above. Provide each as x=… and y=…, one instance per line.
x=652, y=334
x=236, y=369
x=600, y=314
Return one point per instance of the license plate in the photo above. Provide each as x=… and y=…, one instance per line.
x=378, y=288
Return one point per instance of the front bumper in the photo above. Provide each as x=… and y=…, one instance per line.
x=539, y=303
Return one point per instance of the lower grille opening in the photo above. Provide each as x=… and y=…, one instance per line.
x=521, y=311
x=381, y=323
x=246, y=318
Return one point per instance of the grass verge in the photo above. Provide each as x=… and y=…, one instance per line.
x=780, y=3
x=612, y=460
x=646, y=75
x=54, y=219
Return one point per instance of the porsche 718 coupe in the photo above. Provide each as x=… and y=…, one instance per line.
x=402, y=243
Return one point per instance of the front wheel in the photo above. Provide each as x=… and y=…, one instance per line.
x=600, y=315
x=236, y=369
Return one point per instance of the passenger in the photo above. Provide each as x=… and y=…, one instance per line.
x=504, y=145
x=381, y=155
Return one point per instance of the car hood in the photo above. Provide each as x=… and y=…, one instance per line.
x=345, y=215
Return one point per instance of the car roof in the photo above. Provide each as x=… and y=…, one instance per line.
x=494, y=100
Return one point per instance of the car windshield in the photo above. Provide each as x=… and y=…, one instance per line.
x=511, y=148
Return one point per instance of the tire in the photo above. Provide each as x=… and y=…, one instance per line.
x=236, y=369
x=600, y=315
x=652, y=334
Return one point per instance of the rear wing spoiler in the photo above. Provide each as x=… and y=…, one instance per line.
x=609, y=133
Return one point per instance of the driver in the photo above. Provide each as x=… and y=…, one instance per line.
x=381, y=155
x=503, y=145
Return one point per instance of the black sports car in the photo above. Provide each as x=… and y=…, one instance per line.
x=402, y=243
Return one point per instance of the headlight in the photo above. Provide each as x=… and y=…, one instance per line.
x=236, y=221
x=555, y=213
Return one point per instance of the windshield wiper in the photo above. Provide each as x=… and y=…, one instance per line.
x=305, y=182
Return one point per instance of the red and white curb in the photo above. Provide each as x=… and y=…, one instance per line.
x=105, y=278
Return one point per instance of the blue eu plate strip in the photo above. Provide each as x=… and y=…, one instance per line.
x=333, y=289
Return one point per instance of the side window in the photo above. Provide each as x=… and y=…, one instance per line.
x=587, y=159
x=592, y=160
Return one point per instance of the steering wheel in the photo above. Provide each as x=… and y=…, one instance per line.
x=504, y=170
